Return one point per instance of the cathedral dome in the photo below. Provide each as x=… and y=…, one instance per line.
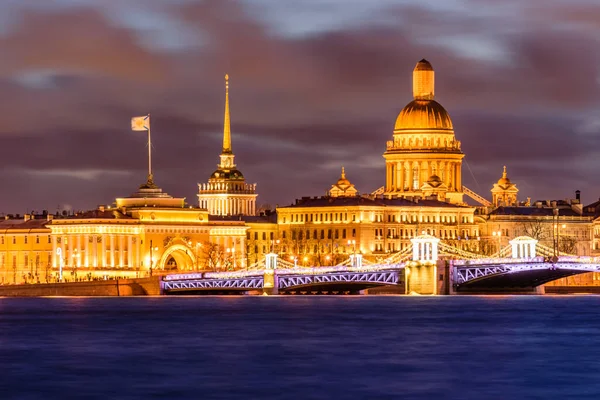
x=423, y=114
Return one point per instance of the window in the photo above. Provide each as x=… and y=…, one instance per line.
x=307, y=234
x=25, y=240
x=14, y=240
x=337, y=234
x=256, y=249
x=322, y=234
x=284, y=234
x=264, y=236
x=271, y=236
x=328, y=233
x=264, y=249
x=37, y=240
x=353, y=232
x=255, y=235
x=248, y=235
x=26, y=260
x=343, y=234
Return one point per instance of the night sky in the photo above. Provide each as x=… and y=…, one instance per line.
x=315, y=84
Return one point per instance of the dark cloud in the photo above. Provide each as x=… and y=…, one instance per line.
x=301, y=106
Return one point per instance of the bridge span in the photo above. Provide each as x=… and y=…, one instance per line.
x=426, y=267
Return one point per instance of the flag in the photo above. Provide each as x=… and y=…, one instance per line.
x=140, y=123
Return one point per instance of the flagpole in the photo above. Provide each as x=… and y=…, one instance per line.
x=150, y=178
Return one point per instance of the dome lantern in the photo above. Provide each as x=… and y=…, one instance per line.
x=423, y=81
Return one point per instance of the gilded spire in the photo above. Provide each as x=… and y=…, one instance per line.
x=504, y=173
x=343, y=173
x=226, y=123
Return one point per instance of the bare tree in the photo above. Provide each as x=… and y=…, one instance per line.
x=537, y=229
x=214, y=255
x=567, y=244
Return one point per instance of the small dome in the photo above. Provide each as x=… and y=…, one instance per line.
x=423, y=114
x=232, y=174
x=434, y=179
x=423, y=65
x=504, y=181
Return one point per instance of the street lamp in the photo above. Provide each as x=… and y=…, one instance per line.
x=499, y=235
x=353, y=243
x=152, y=257
x=327, y=258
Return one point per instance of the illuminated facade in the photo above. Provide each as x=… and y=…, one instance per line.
x=326, y=230
x=25, y=249
x=424, y=158
x=227, y=192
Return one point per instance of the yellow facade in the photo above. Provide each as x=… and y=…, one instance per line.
x=327, y=230
x=25, y=250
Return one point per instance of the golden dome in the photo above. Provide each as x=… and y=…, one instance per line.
x=423, y=65
x=343, y=181
x=504, y=181
x=423, y=114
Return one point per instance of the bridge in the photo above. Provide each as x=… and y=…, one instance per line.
x=427, y=266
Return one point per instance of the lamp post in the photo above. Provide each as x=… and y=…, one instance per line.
x=499, y=235
x=152, y=257
x=60, y=263
x=353, y=243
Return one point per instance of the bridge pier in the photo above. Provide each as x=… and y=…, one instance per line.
x=270, y=279
x=421, y=277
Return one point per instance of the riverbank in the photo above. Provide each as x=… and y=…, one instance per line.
x=117, y=287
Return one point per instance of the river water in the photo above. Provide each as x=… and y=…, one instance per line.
x=303, y=347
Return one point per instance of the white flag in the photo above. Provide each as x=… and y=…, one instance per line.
x=140, y=123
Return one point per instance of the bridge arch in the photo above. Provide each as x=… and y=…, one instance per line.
x=177, y=257
x=518, y=275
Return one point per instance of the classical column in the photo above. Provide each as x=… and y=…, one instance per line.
x=112, y=250
x=78, y=253
x=104, y=238
x=64, y=251
x=121, y=247
x=86, y=250
x=129, y=251
x=532, y=249
x=95, y=250
x=54, y=247
x=138, y=255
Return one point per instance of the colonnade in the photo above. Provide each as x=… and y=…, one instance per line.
x=92, y=250
x=523, y=248
x=425, y=248
x=400, y=175
x=229, y=205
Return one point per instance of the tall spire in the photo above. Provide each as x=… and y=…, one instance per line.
x=343, y=173
x=227, y=124
x=504, y=173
